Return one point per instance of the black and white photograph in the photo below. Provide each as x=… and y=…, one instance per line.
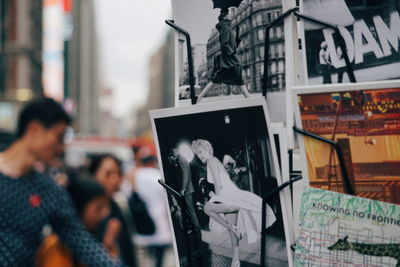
x=227, y=41
x=220, y=160
x=371, y=33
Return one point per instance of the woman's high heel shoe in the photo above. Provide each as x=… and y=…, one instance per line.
x=235, y=264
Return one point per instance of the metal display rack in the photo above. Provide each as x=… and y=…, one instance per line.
x=294, y=175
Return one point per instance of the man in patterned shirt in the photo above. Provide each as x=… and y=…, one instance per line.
x=29, y=200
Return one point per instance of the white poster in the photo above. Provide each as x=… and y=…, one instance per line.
x=222, y=159
x=228, y=50
x=371, y=33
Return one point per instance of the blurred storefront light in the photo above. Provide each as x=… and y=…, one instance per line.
x=53, y=49
x=24, y=94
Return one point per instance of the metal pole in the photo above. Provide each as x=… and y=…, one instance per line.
x=348, y=188
x=342, y=43
x=184, y=218
x=264, y=214
x=190, y=58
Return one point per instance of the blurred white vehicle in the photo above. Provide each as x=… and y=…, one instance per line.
x=81, y=148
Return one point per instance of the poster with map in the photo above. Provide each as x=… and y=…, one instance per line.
x=342, y=230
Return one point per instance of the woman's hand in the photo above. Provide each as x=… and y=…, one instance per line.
x=111, y=235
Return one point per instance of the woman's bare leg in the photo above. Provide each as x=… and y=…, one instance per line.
x=232, y=219
x=245, y=92
x=209, y=86
x=214, y=209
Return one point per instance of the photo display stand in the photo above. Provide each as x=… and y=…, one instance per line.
x=295, y=11
x=266, y=197
x=296, y=175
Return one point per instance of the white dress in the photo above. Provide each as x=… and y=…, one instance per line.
x=249, y=204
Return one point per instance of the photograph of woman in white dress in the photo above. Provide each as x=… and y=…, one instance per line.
x=241, y=209
x=229, y=213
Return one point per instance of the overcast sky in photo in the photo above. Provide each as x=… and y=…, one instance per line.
x=129, y=32
x=197, y=17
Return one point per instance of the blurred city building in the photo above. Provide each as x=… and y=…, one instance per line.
x=20, y=57
x=82, y=68
x=161, y=84
x=50, y=47
x=20, y=47
x=110, y=126
x=199, y=54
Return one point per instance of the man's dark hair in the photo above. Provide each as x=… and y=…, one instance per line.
x=44, y=110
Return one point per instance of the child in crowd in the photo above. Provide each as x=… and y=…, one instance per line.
x=92, y=205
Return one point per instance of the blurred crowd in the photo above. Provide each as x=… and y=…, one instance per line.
x=119, y=204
